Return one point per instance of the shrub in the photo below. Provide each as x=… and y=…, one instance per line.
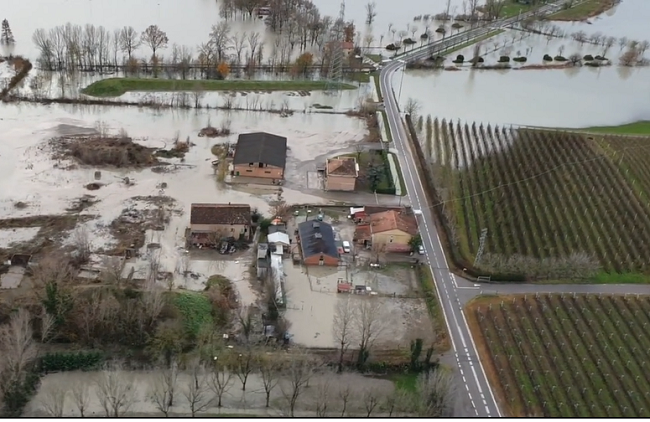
x=520, y=59
x=409, y=41
x=600, y=58
x=391, y=47
x=71, y=361
x=559, y=58
x=459, y=59
x=588, y=57
x=547, y=58
x=195, y=310
x=504, y=59
x=456, y=25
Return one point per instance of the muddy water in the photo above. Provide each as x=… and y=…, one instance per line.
x=189, y=22
x=234, y=399
x=575, y=97
x=628, y=19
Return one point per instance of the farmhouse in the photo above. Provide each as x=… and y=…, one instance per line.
x=388, y=230
x=260, y=154
x=317, y=243
x=211, y=222
x=341, y=173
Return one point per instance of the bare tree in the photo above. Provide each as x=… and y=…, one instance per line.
x=435, y=396
x=622, y=42
x=343, y=327
x=129, y=40
x=154, y=38
x=643, y=46
x=253, y=43
x=221, y=377
x=346, y=395
x=370, y=322
x=246, y=317
x=17, y=345
x=197, y=388
x=269, y=368
x=162, y=392
x=53, y=399
x=239, y=41
x=412, y=107
x=323, y=395
x=197, y=94
x=298, y=372
x=80, y=392
x=81, y=243
x=220, y=39
x=371, y=12
x=115, y=391
x=244, y=366
x=371, y=399
x=630, y=57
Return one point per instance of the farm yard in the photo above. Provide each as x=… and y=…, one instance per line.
x=547, y=205
x=566, y=355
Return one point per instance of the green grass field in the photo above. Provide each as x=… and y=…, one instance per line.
x=565, y=355
x=114, y=87
x=582, y=11
x=636, y=128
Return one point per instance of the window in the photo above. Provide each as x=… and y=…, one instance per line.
x=232, y=229
x=249, y=171
x=251, y=164
x=261, y=165
x=267, y=172
x=391, y=239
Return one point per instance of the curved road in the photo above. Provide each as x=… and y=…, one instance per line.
x=449, y=288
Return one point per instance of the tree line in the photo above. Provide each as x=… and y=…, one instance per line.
x=297, y=22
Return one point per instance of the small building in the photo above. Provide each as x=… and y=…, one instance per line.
x=346, y=46
x=277, y=225
x=341, y=173
x=279, y=243
x=263, y=263
x=260, y=154
x=317, y=243
x=209, y=223
x=392, y=230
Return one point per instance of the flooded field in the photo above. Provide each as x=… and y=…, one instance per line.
x=189, y=22
x=32, y=183
x=578, y=97
x=251, y=401
x=627, y=19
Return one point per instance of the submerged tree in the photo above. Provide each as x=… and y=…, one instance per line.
x=155, y=38
x=6, y=36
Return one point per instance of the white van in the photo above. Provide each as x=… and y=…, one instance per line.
x=346, y=246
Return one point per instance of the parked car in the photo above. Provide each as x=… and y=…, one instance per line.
x=346, y=246
x=421, y=250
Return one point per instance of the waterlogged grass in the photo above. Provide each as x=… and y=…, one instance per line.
x=584, y=10
x=195, y=310
x=114, y=87
x=627, y=278
x=474, y=41
x=636, y=128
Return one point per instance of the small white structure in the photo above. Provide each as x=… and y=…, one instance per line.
x=278, y=242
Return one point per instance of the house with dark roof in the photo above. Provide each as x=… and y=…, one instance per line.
x=317, y=243
x=209, y=223
x=341, y=173
x=260, y=154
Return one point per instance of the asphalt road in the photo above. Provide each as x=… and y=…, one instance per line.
x=448, y=286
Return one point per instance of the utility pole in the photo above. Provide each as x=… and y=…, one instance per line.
x=335, y=47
